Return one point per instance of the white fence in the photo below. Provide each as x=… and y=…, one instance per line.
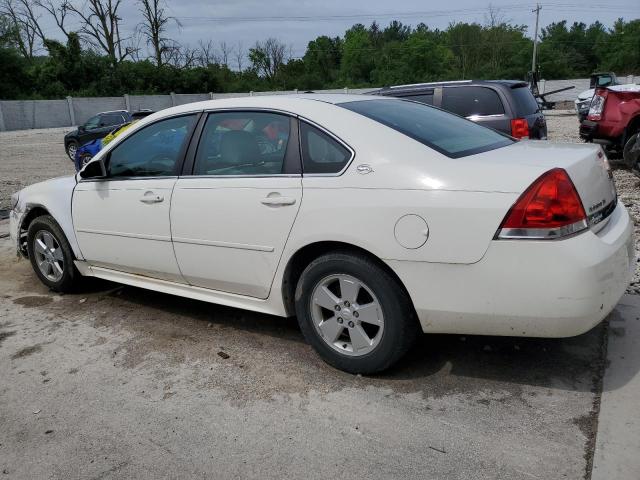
x=28, y=114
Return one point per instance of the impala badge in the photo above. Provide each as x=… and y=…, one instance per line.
x=364, y=169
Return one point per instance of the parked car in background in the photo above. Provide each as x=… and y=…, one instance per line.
x=97, y=126
x=86, y=152
x=504, y=105
x=596, y=80
x=369, y=218
x=614, y=121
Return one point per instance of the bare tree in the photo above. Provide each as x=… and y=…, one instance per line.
x=59, y=11
x=268, y=57
x=25, y=24
x=155, y=26
x=206, y=53
x=239, y=55
x=225, y=52
x=100, y=27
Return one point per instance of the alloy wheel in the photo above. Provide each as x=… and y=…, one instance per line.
x=71, y=151
x=49, y=256
x=347, y=315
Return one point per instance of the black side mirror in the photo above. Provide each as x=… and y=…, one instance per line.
x=94, y=169
x=81, y=129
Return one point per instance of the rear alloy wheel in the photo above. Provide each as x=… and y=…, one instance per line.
x=354, y=313
x=84, y=159
x=50, y=254
x=72, y=148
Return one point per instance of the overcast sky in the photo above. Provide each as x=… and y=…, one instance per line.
x=296, y=22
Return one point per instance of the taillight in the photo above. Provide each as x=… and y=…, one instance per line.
x=519, y=128
x=597, y=106
x=550, y=208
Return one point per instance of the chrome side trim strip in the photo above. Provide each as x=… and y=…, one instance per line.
x=142, y=236
x=213, y=243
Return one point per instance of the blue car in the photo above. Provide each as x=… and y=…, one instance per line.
x=86, y=152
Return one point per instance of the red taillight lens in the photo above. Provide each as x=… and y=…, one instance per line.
x=519, y=128
x=549, y=208
x=597, y=106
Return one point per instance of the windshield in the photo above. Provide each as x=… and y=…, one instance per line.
x=448, y=134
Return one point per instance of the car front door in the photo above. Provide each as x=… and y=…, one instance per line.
x=122, y=221
x=232, y=211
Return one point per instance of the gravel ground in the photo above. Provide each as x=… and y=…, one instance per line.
x=30, y=156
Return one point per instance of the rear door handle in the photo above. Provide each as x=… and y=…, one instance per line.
x=151, y=197
x=278, y=201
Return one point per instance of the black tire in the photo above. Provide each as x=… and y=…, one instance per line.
x=631, y=151
x=401, y=327
x=71, y=148
x=70, y=274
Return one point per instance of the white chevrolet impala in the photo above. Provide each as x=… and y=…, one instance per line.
x=370, y=219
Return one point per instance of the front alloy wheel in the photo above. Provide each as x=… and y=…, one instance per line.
x=49, y=256
x=72, y=148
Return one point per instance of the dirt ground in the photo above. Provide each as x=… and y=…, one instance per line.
x=119, y=382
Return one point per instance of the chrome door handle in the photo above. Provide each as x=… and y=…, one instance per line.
x=151, y=197
x=278, y=201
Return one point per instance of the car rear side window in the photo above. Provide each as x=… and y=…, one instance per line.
x=320, y=152
x=111, y=119
x=448, y=134
x=470, y=101
x=243, y=143
x=526, y=103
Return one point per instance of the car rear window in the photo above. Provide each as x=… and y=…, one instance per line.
x=526, y=103
x=448, y=134
x=470, y=101
x=422, y=98
x=112, y=119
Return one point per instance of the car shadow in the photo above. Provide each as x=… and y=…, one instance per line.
x=450, y=361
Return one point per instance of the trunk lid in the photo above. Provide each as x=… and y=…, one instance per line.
x=586, y=164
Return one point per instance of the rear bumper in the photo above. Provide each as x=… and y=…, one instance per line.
x=527, y=288
x=588, y=129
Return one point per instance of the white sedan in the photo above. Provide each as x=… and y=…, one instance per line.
x=370, y=219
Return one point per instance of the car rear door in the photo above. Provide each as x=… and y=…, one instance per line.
x=236, y=202
x=480, y=104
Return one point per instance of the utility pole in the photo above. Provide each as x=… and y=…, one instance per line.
x=535, y=39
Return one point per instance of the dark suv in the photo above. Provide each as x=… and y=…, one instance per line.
x=97, y=126
x=504, y=105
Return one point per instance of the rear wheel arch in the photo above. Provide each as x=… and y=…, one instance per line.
x=307, y=254
x=633, y=126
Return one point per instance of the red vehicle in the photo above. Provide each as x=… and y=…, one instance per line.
x=614, y=122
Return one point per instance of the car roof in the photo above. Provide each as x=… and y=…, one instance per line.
x=113, y=111
x=451, y=83
x=285, y=102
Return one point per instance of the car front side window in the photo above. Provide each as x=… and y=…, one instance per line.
x=243, y=143
x=153, y=151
